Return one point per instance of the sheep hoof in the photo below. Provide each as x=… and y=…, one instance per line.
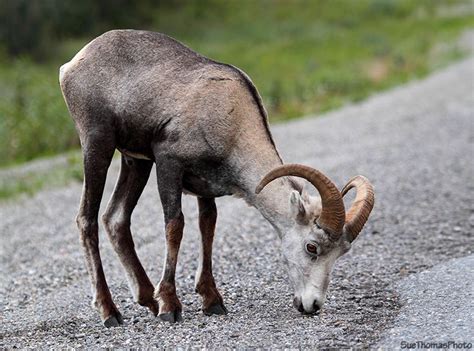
x=217, y=308
x=172, y=317
x=114, y=321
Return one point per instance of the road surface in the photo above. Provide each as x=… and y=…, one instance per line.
x=414, y=142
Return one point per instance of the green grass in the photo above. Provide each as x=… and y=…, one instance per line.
x=31, y=181
x=311, y=56
x=34, y=120
x=305, y=57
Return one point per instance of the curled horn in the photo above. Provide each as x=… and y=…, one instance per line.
x=361, y=207
x=332, y=213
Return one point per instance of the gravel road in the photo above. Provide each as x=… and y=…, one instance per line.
x=438, y=306
x=415, y=143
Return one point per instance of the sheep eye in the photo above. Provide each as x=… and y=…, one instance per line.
x=316, y=223
x=312, y=249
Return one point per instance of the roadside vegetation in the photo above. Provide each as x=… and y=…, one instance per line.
x=41, y=174
x=305, y=57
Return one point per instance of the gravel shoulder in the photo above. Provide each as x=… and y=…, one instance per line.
x=415, y=143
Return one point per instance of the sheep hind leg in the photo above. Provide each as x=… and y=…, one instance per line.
x=133, y=177
x=98, y=150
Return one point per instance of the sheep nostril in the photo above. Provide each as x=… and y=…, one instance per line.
x=316, y=306
x=298, y=304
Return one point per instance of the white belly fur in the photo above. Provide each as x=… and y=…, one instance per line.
x=134, y=155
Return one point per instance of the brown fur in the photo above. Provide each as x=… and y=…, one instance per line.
x=166, y=292
x=205, y=284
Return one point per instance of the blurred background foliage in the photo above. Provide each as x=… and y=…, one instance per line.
x=304, y=56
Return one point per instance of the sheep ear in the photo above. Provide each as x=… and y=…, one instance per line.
x=298, y=208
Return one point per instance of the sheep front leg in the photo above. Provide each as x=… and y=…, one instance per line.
x=170, y=188
x=212, y=302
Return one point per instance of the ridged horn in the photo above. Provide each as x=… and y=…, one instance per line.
x=332, y=213
x=361, y=207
